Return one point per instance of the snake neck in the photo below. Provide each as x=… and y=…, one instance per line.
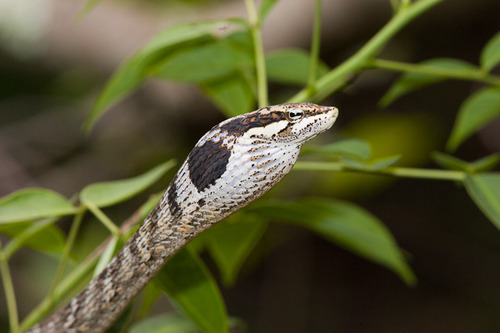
x=233, y=164
x=138, y=261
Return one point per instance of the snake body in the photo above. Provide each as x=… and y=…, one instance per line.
x=234, y=163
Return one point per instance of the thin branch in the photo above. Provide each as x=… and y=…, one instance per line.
x=81, y=271
x=17, y=242
x=260, y=59
x=103, y=218
x=75, y=226
x=315, y=45
x=459, y=74
x=10, y=295
x=337, y=77
x=450, y=175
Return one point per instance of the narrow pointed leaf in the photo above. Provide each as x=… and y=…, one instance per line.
x=490, y=56
x=151, y=294
x=449, y=162
x=109, y=193
x=164, y=324
x=452, y=163
x=33, y=203
x=374, y=165
x=265, y=8
x=89, y=5
x=348, y=147
x=204, y=62
x=133, y=72
x=231, y=242
x=347, y=225
x=42, y=236
x=409, y=82
x=106, y=255
x=291, y=66
x=232, y=95
x=191, y=287
x=484, y=189
x=485, y=164
x=476, y=111
x=199, y=63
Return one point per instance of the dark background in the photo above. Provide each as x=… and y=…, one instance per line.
x=52, y=66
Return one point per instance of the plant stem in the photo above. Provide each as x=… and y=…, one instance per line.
x=83, y=269
x=459, y=74
x=62, y=290
x=77, y=220
x=337, y=77
x=106, y=221
x=16, y=243
x=260, y=60
x=315, y=44
x=10, y=295
x=391, y=171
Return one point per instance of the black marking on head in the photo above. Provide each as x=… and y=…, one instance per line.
x=239, y=125
x=173, y=205
x=207, y=163
x=201, y=202
x=285, y=129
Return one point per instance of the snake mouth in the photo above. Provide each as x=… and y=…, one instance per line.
x=332, y=115
x=324, y=121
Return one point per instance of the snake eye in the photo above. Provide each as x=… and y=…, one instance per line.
x=294, y=114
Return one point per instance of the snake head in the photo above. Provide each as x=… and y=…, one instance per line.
x=288, y=123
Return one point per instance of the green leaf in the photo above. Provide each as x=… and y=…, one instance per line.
x=484, y=189
x=204, y=62
x=150, y=295
x=291, y=66
x=347, y=225
x=231, y=241
x=356, y=148
x=133, y=72
x=42, y=236
x=476, y=111
x=490, y=56
x=106, y=255
x=265, y=8
x=198, y=63
x=452, y=163
x=191, y=287
x=109, y=193
x=449, y=162
x=409, y=82
x=485, y=164
x=374, y=165
x=164, y=324
x=399, y=5
x=89, y=5
x=173, y=323
x=232, y=95
x=33, y=203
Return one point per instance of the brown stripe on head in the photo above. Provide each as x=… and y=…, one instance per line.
x=239, y=125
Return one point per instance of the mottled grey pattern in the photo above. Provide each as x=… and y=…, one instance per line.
x=233, y=164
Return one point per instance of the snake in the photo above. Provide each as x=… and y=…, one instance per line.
x=234, y=163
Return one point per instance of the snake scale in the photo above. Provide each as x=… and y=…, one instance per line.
x=234, y=163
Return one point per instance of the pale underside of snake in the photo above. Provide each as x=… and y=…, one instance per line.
x=233, y=164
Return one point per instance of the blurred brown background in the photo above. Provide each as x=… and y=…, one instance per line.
x=53, y=65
